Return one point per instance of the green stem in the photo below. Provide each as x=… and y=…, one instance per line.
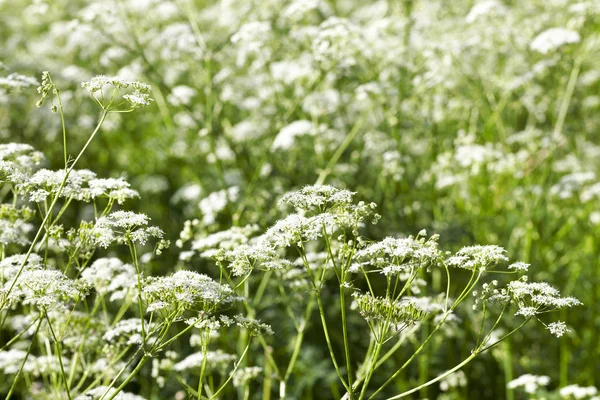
x=59, y=355
x=437, y=379
x=14, y=384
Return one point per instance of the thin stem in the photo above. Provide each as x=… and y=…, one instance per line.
x=204, y=362
x=59, y=354
x=437, y=379
x=14, y=384
x=236, y=366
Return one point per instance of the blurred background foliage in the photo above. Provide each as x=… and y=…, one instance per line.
x=446, y=114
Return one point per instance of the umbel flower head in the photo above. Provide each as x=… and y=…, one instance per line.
x=138, y=97
x=185, y=290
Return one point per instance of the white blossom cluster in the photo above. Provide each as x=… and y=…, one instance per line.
x=553, y=38
x=477, y=257
x=124, y=227
x=529, y=383
x=215, y=360
x=138, y=98
x=185, y=290
x=43, y=288
x=317, y=197
x=579, y=392
x=243, y=375
x=397, y=255
x=127, y=331
x=110, y=276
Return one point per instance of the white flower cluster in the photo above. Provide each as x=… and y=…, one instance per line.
x=11, y=361
x=317, y=197
x=138, y=98
x=244, y=258
x=397, y=255
x=455, y=380
x=553, y=38
x=579, y=392
x=558, y=328
x=215, y=359
x=477, y=257
x=185, y=290
x=17, y=159
x=81, y=185
x=15, y=82
x=127, y=331
x=227, y=240
x=110, y=276
x=529, y=383
x=43, y=288
x=242, y=376
x=124, y=227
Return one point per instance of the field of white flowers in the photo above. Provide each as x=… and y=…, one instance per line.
x=299, y=199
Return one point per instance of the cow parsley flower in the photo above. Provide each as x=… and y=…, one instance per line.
x=125, y=227
x=317, y=196
x=185, y=290
x=558, y=328
x=139, y=97
x=110, y=276
x=477, y=257
x=215, y=360
x=553, y=38
x=286, y=137
x=242, y=376
x=519, y=266
x=396, y=255
x=578, y=392
x=127, y=331
x=43, y=288
x=529, y=383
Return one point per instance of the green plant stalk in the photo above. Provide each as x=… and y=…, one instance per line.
x=340, y=150
x=467, y=289
x=130, y=377
x=323, y=319
x=100, y=377
x=134, y=258
x=14, y=384
x=235, y=368
x=437, y=379
x=59, y=355
x=508, y=370
x=204, y=362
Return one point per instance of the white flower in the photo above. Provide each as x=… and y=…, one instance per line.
x=110, y=275
x=477, y=257
x=286, y=137
x=243, y=375
x=578, y=392
x=317, y=196
x=558, y=328
x=185, y=290
x=127, y=331
x=485, y=7
x=530, y=383
x=215, y=359
x=553, y=38
x=519, y=266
